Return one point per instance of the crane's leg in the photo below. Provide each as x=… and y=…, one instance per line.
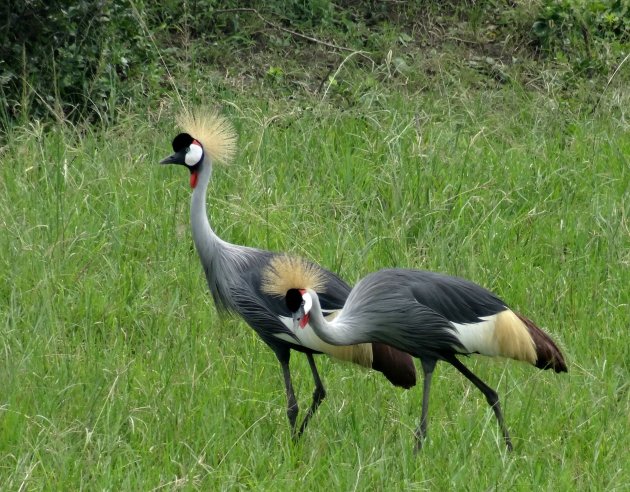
x=428, y=365
x=491, y=396
x=292, y=405
x=318, y=395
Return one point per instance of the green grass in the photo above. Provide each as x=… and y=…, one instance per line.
x=116, y=372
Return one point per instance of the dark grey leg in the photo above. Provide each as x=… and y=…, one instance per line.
x=428, y=365
x=292, y=405
x=491, y=396
x=318, y=395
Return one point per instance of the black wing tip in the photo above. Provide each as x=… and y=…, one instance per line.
x=557, y=365
x=549, y=356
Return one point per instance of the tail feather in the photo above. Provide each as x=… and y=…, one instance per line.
x=548, y=355
x=396, y=366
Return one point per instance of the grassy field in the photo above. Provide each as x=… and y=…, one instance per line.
x=117, y=374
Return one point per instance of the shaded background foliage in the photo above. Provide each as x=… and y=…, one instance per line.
x=70, y=57
x=78, y=59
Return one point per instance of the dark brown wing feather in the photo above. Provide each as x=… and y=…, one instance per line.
x=547, y=352
x=396, y=366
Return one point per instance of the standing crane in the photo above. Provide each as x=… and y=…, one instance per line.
x=230, y=269
x=428, y=315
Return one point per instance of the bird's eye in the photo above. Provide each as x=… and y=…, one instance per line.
x=187, y=149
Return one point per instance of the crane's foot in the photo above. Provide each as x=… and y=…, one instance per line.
x=417, y=447
x=318, y=396
x=419, y=440
x=508, y=442
x=292, y=413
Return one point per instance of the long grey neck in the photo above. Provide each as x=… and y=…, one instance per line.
x=218, y=258
x=208, y=244
x=336, y=332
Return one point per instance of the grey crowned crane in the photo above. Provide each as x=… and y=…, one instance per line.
x=231, y=269
x=428, y=315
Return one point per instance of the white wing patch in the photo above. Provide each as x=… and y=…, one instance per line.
x=479, y=337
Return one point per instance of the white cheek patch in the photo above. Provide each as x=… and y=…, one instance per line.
x=308, y=303
x=194, y=154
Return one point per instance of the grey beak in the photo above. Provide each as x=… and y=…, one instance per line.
x=176, y=158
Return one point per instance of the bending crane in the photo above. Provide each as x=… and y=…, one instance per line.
x=431, y=316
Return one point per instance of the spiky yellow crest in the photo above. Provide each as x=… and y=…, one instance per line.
x=216, y=133
x=290, y=272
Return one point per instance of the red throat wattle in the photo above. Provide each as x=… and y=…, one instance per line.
x=193, y=179
x=304, y=320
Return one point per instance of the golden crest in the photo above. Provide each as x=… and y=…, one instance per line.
x=290, y=272
x=216, y=133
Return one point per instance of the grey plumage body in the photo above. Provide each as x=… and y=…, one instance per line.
x=431, y=316
x=412, y=309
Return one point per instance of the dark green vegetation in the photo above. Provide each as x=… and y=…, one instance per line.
x=499, y=158
x=84, y=59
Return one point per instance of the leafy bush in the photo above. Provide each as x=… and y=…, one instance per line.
x=68, y=57
x=80, y=58
x=590, y=34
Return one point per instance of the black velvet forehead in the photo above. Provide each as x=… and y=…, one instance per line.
x=293, y=300
x=182, y=141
